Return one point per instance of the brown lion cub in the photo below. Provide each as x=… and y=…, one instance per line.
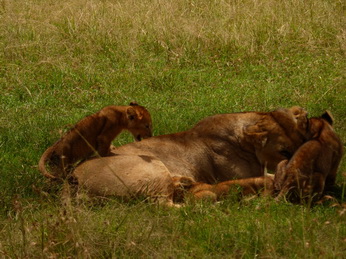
x=214, y=192
x=313, y=167
x=93, y=135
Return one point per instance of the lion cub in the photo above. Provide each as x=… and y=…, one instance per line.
x=93, y=135
x=313, y=167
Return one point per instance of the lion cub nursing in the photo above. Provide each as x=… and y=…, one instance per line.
x=313, y=167
x=93, y=135
x=218, y=148
x=311, y=170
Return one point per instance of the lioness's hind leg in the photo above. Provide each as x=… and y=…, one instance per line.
x=169, y=203
x=205, y=195
x=181, y=185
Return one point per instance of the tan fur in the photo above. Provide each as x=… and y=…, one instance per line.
x=313, y=167
x=186, y=187
x=94, y=134
x=218, y=148
x=154, y=180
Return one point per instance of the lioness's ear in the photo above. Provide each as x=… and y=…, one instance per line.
x=327, y=116
x=256, y=135
x=292, y=118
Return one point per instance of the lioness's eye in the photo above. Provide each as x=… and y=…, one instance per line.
x=286, y=153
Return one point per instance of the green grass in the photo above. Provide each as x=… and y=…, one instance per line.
x=184, y=60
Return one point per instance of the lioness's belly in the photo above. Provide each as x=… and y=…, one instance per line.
x=199, y=162
x=125, y=176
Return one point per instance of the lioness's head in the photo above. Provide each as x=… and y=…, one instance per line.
x=278, y=136
x=139, y=121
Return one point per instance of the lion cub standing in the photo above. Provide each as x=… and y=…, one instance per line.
x=94, y=134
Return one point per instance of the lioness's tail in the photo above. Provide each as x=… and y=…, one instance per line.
x=42, y=163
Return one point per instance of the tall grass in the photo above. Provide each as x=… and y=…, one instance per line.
x=183, y=60
x=255, y=228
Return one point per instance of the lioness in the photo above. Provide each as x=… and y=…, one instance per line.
x=185, y=186
x=313, y=167
x=93, y=134
x=218, y=148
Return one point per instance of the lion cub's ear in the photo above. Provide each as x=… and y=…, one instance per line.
x=256, y=135
x=133, y=104
x=327, y=116
x=132, y=114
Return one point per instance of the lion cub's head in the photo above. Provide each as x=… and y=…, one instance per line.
x=139, y=121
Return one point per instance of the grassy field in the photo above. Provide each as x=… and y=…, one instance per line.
x=184, y=60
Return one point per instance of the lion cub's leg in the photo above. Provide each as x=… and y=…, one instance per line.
x=286, y=181
x=103, y=145
x=302, y=188
x=297, y=186
x=313, y=187
x=280, y=175
x=300, y=178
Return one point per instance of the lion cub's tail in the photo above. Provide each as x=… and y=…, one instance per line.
x=42, y=163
